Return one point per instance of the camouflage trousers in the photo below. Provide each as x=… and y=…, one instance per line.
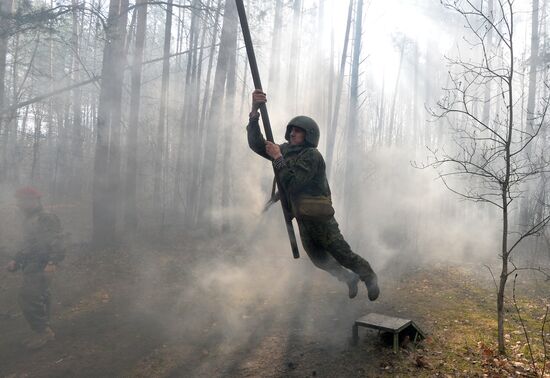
x=34, y=299
x=328, y=250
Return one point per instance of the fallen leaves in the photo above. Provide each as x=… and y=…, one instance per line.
x=495, y=365
x=422, y=362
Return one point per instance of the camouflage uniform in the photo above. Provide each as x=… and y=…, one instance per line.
x=42, y=244
x=303, y=173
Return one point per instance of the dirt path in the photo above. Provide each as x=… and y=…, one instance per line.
x=112, y=339
x=174, y=314
x=113, y=325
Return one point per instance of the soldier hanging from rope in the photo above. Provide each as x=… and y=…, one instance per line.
x=301, y=171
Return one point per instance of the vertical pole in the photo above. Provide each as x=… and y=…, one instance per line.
x=265, y=120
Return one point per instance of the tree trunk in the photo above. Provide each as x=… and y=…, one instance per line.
x=229, y=118
x=353, y=144
x=107, y=158
x=228, y=40
x=49, y=150
x=131, y=218
x=292, y=83
x=206, y=98
x=184, y=129
x=318, y=72
x=505, y=197
x=525, y=216
x=5, y=7
x=244, y=103
x=330, y=73
x=77, y=143
x=195, y=150
x=415, y=138
x=11, y=143
x=114, y=167
x=158, y=198
x=504, y=271
x=487, y=102
x=381, y=121
x=395, y=91
x=35, y=167
x=275, y=61
x=331, y=135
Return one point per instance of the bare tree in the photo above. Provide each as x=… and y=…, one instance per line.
x=487, y=104
x=186, y=128
x=487, y=163
x=76, y=150
x=352, y=130
x=401, y=41
x=5, y=9
x=275, y=64
x=107, y=157
x=133, y=126
x=161, y=128
x=531, y=97
x=228, y=43
x=292, y=83
x=331, y=135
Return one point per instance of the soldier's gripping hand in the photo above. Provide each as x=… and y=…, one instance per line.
x=273, y=150
x=12, y=266
x=258, y=98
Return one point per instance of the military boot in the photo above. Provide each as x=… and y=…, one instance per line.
x=371, y=281
x=352, y=287
x=41, y=339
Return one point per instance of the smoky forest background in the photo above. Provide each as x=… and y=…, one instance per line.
x=130, y=118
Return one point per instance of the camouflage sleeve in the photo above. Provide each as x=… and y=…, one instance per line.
x=256, y=140
x=51, y=238
x=304, y=169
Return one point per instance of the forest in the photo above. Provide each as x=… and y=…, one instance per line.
x=127, y=120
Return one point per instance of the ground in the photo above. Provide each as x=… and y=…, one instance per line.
x=172, y=312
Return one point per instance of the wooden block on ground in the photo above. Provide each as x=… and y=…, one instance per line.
x=389, y=324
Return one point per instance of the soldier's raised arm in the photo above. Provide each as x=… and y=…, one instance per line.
x=256, y=140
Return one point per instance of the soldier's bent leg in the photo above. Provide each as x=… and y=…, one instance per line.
x=323, y=260
x=341, y=251
x=331, y=239
x=34, y=300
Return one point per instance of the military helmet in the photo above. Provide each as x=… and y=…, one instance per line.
x=308, y=125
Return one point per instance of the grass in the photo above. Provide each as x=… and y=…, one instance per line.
x=459, y=311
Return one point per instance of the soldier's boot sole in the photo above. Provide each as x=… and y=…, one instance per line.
x=353, y=289
x=372, y=286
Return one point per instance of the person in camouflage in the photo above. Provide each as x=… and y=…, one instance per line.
x=302, y=173
x=42, y=249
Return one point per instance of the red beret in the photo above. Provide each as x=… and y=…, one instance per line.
x=27, y=192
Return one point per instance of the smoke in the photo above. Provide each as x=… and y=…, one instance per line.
x=231, y=283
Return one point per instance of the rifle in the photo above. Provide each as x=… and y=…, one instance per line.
x=267, y=125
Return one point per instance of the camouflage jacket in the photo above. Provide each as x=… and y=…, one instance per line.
x=42, y=241
x=303, y=171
